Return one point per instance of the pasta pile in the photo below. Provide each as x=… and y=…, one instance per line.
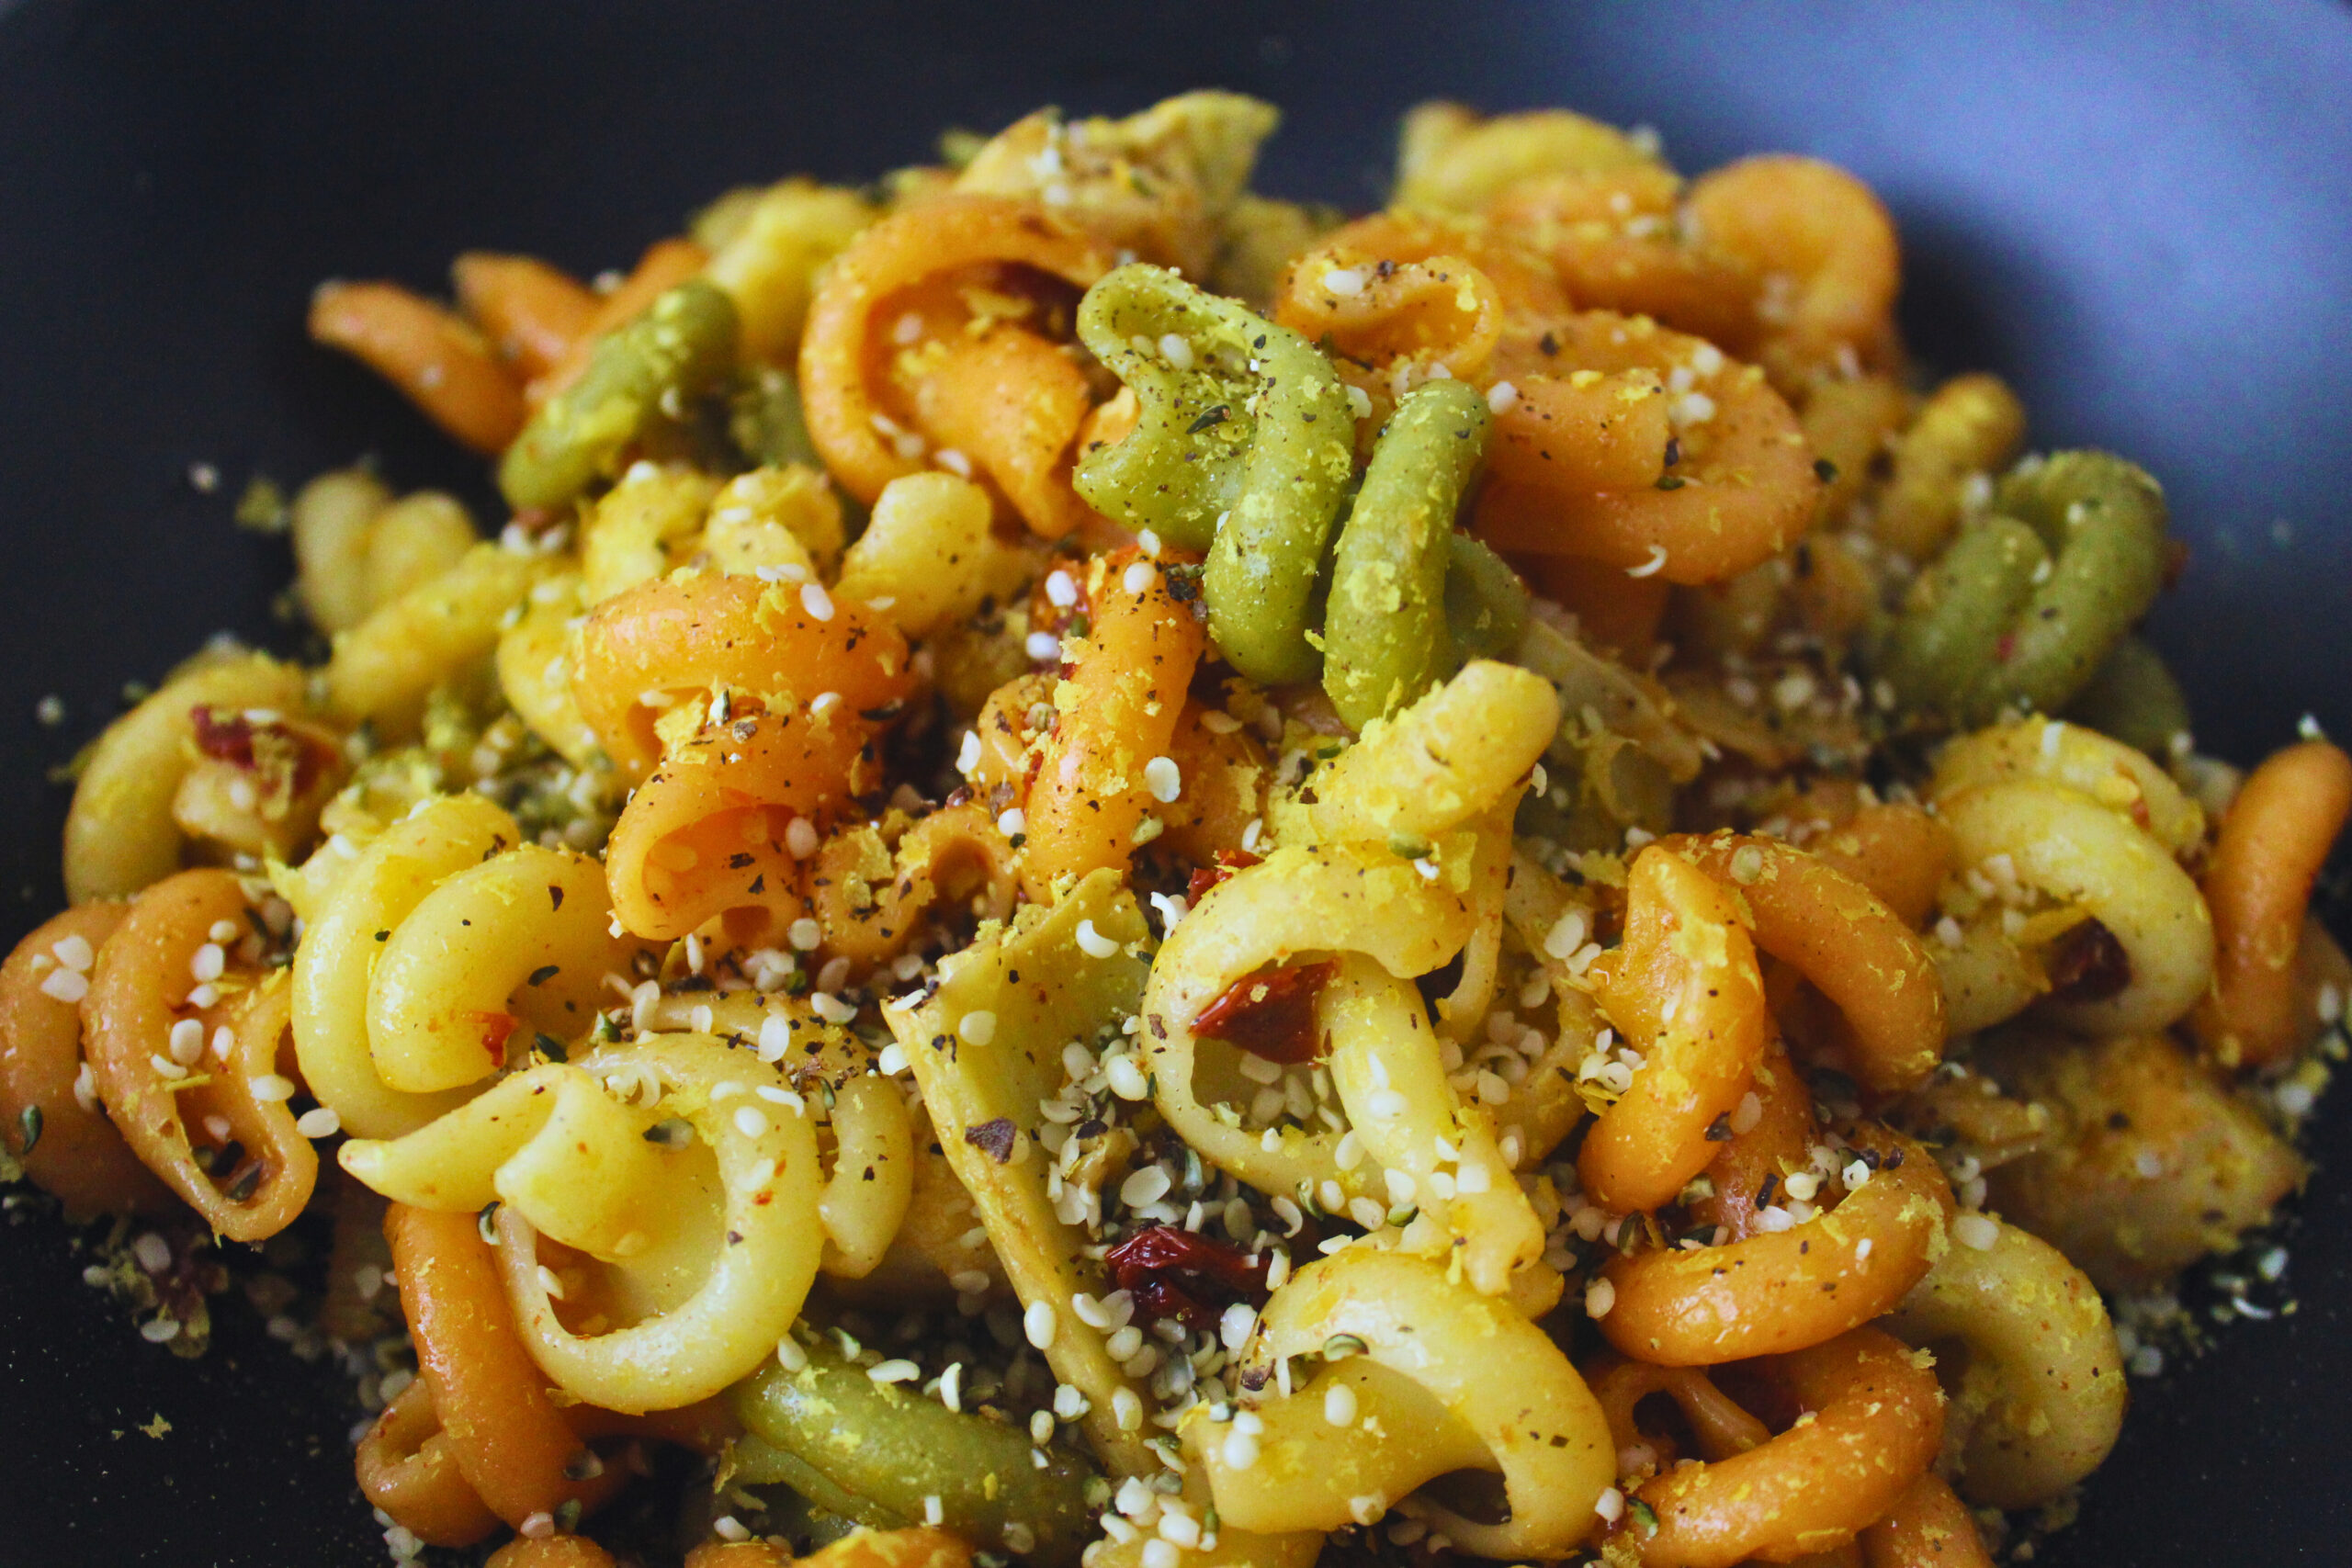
x=1114, y=872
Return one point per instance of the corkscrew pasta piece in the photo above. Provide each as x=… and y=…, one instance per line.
x=650, y=521
x=1746, y=1177
x=845, y=351
x=495, y=954
x=119, y=833
x=770, y=263
x=408, y=1467
x=1824, y=248
x=1159, y=184
x=1486, y=606
x=985, y=1050
x=1517, y=272
x=640, y=374
x=664, y=265
x=1386, y=1067
x=1386, y=639
x=1489, y=1374
x=872, y=1184
x=533, y=666
x=1439, y=763
x=1851, y=425
x=2024, y=608
x=869, y=1134
x=502, y=1433
x=685, y=639
x=1717, y=1423
x=2273, y=839
x=871, y=898
x=531, y=312
x=1389, y=323
x=435, y=358
x=1684, y=990
x=1117, y=713
x=2041, y=1398
x=550, y=1551
x=1898, y=852
x=1837, y=933
x=1567, y=429
x=1971, y=426
x=709, y=1231
x=1617, y=238
x=2151, y=1162
x=2069, y=847
x=1776, y=1291
x=2118, y=776
x=183, y=1028
x=1225, y=776
x=927, y=551
x=54, y=1126
x=383, y=669
x=1872, y=1416
x=357, y=548
x=909, y=1447
x=1263, y=918
x=1244, y=447
x=1451, y=159
x=711, y=829
x=1010, y=402
x=1926, y=1528
x=334, y=965
x=2133, y=697
x=1742, y=487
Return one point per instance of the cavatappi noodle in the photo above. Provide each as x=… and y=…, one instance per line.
x=1113, y=873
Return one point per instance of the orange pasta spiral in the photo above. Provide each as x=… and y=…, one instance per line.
x=1742, y=485
x=175, y=1054
x=79, y=1157
x=1090, y=797
x=2273, y=842
x=1684, y=990
x=852, y=363
x=1869, y=1417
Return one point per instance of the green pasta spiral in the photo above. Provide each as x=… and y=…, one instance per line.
x=680, y=349
x=1243, y=448
x=2024, y=608
x=873, y=1453
x=1386, y=639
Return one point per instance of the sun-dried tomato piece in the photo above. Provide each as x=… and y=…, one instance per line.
x=1174, y=1272
x=1207, y=876
x=270, y=747
x=1269, y=1013
x=2088, y=964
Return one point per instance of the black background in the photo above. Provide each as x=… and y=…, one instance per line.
x=2141, y=214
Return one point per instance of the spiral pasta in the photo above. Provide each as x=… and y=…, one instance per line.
x=150, y=1001
x=712, y=1240
x=1112, y=874
x=1472, y=1384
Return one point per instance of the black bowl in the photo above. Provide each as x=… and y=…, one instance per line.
x=2141, y=216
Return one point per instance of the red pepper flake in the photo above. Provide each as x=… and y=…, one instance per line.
x=1269, y=1013
x=1207, y=876
x=1150, y=1264
x=2088, y=964
x=492, y=1028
